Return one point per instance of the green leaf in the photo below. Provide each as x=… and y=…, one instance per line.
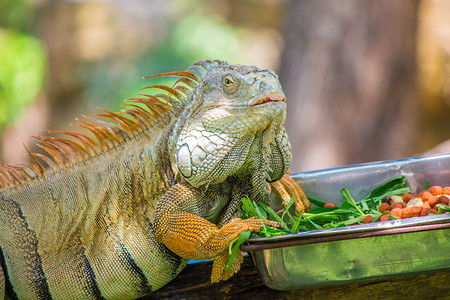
x=349, y=202
x=286, y=208
x=356, y=220
x=391, y=185
x=316, y=226
x=426, y=186
x=322, y=209
x=296, y=226
x=392, y=217
x=260, y=213
x=316, y=202
x=247, y=206
x=291, y=218
x=364, y=205
x=375, y=217
x=443, y=208
x=274, y=215
x=324, y=217
x=230, y=247
x=244, y=214
x=245, y=235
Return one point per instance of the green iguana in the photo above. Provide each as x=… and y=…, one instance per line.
x=118, y=216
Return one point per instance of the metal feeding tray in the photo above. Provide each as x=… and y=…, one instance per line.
x=361, y=252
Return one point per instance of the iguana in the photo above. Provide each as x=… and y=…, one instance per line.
x=119, y=215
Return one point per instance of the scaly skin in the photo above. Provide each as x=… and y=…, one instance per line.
x=118, y=218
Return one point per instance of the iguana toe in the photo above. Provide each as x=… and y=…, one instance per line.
x=218, y=271
x=287, y=188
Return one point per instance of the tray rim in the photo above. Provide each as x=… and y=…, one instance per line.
x=272, y=244
x=370, y=227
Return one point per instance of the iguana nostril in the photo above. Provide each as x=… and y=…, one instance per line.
x=264, y=87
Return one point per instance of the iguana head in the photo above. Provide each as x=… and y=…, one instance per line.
x=231, y=125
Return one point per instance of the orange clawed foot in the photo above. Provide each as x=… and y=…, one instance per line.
x=218, y=271
x=253, y=224
x=287, y=188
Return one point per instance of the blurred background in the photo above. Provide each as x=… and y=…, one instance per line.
x=365, y=80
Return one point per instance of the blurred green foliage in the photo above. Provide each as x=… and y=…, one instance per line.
x=201, y=36
x=22, y=60
x=15, y=14
x=22, y=73
x=195, y=36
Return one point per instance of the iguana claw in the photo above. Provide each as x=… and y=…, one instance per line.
x=287, y=188
x=218, y=272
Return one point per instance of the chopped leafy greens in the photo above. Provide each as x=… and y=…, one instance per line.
x=350, y=212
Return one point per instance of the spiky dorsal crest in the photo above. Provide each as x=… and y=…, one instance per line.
x=141, y=113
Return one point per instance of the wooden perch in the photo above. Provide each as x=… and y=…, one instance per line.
x=193, y=283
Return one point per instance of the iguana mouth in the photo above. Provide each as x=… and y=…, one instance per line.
x=272, y=97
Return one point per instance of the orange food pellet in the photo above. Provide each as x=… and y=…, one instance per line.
x=411, y=211
x=329, y=204
x=367, y=219
x=433, y=201
x=426, y=205
x=396, y=205
x=435, y=190
x=434, y=211
x=443, y=199
x=384, y=218
x=425, y=211
x=397, y=212
x=403, y=204
x=383, y=207
x=446, y=190
x=426, y=195
x=407, y=197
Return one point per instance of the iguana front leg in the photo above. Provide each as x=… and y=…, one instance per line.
x=178, y=225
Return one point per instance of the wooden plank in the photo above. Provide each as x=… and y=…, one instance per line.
x=193, y=283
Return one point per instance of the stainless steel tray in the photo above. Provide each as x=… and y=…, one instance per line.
x=361, y=252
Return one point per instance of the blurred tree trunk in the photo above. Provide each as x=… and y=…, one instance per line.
x=349, y=72
x=58, y=30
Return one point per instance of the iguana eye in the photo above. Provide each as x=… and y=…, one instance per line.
x=228, y=80
x=230, y=84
